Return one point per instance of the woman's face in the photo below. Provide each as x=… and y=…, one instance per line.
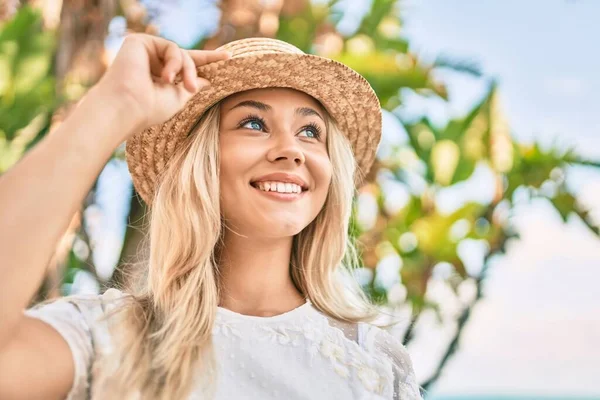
x=275, y=168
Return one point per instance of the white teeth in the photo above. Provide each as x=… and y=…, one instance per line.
x=280, y=187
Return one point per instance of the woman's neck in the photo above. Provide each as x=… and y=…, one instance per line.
x=255, y=276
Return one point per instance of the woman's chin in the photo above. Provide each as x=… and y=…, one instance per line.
x=278, y=228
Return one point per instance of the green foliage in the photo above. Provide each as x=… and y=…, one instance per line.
x=387, y=77
x=299, y=30
x=452, y=152
x=458, y=65
x=450, y=155
x=382, y=24
x=27, y=93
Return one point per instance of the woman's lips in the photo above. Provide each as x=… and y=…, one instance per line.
x=280, y=196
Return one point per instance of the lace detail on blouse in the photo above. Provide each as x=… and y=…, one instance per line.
x=345, y=356
x=372, y=355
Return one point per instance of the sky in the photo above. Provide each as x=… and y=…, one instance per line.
x=539, y=50
x=537, y=329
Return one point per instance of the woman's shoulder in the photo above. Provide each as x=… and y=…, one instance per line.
x=381, y=340
x=376, y=349
x=84, y=303
x=85, y=313
x=382, y=343
x=80, y=320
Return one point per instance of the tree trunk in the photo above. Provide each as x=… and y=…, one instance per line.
x=79, y=62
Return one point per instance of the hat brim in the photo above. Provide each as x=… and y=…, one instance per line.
x=344, y=93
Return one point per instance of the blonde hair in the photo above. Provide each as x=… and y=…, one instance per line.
x=164, y=330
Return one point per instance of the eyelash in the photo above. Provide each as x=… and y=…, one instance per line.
x=316, y=129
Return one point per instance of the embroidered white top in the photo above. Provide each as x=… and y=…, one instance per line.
x=301, y=354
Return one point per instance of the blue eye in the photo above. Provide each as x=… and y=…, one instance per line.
x=255, y=119
x=314, y=129
x=255, y=124
x=260, y=123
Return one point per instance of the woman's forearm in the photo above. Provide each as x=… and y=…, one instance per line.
x=41, y=193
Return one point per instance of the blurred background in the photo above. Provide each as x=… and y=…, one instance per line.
x=479, y=225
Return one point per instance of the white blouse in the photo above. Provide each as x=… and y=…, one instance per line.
x=300, y=354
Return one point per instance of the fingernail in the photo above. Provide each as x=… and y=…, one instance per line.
x=230, y=54
x=202, y=84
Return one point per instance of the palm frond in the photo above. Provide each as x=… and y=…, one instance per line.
x=467, y=66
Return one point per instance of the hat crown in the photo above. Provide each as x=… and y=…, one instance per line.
x=259, y=45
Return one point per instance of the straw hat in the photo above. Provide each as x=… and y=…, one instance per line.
x=261, y=63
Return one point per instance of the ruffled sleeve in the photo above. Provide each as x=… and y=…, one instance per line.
x=405, y=381
x=75, y=318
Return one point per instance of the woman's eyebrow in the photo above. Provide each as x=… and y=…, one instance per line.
x=303, y=111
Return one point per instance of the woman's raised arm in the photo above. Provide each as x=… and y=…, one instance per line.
x=41, y=193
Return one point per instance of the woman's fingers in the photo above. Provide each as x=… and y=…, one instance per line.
x=170, y=60
x=170, y=54
x=186, y=61
x=202, y=57
x=189, y=74
x=173, y=61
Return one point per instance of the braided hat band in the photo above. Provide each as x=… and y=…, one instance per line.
x=263, y=63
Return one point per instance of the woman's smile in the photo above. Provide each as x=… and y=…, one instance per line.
x=279, y=191
x=281, y=186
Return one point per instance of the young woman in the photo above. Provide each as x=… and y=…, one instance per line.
x=248, y=158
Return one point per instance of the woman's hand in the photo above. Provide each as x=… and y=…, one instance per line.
x=144, y=73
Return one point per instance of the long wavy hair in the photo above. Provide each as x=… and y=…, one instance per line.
x=163, y=330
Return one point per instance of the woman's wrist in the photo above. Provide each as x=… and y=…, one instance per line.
x=99, y=123
x=113, y=110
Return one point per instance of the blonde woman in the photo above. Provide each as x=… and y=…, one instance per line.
x=248, y=158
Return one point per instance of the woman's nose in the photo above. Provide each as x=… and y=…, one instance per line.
x=285, y=147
